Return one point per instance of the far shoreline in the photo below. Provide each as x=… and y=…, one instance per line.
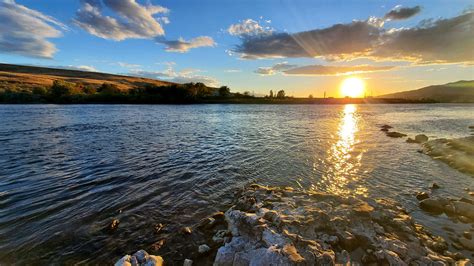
x=249, y=100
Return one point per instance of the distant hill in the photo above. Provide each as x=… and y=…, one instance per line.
x=456, y=92
x=29, y=77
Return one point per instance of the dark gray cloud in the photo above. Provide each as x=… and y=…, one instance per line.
x=279, y=67
x=321, y=70
x=183, y=46
x=133, y=20
x=26, y=32
x=440, y=41
x=402, y=13
x=443, y=41
x=338, y=40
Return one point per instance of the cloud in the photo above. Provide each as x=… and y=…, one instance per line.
x=336, y=41
x=183, y=76
x=402, y=13
x=80, y=68
x=320, y=70
x=232, y=70
x=279, y=67
x=133, y=20
x=432, y=41
x=247, y=28
x=439, y=41
x=26, y=32
x=183, y=46
x=127, y=65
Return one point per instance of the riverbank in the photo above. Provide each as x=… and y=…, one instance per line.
x=286, y=226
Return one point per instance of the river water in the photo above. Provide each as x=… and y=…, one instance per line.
x=67, y=170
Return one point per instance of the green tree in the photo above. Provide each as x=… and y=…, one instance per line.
x=89, y=90
x=271, y=94
x=62, y=88
x=109, y=89
x=39, y=91
x=224, y=91
x=281, y=94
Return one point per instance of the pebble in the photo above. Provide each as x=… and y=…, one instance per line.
x=158, y=227
x=186, y=230
x=114, y=224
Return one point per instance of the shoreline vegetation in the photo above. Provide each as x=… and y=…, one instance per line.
x=41, y=85
x=63, y=92
x=31, y=84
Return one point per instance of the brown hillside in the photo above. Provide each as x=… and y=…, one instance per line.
x=28, y=77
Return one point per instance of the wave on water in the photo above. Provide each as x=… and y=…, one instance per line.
x=457, y=153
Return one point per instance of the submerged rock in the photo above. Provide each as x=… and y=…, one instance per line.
x=281, y=226
x=421, y=138
x=457, y=153
x=435, y=186
x=462, y=209
x=113, y=225
x=422, y=195
x=395, y=134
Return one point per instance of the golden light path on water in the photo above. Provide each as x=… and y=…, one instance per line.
x=342, y=162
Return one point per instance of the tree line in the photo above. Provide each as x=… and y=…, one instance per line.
x=68, y=92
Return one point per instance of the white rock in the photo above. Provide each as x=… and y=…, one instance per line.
x=203, y=248
x=187, y=262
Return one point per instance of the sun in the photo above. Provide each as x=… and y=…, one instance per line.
x=353, y=87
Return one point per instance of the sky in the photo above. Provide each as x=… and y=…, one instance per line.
x=301, y=46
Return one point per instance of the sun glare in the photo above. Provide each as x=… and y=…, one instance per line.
x=353, y=87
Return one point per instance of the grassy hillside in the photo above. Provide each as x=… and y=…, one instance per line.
x=18, y=77
x=460, y=91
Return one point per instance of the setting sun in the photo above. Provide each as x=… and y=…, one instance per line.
x=353, y=87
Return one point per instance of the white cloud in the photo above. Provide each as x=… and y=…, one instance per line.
x=249, y=27
x=232, y=70
x=73, y=67
x=133, y=20
x=127, y=65
x=26, y=32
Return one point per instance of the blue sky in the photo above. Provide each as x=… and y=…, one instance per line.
x=408, y=52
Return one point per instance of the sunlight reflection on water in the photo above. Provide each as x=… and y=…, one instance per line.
x=342, y=163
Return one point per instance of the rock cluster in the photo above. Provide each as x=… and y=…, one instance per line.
x=457, y=153
x=284, y=226
x=140, y=258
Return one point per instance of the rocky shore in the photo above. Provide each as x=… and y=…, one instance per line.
x=286, y=226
